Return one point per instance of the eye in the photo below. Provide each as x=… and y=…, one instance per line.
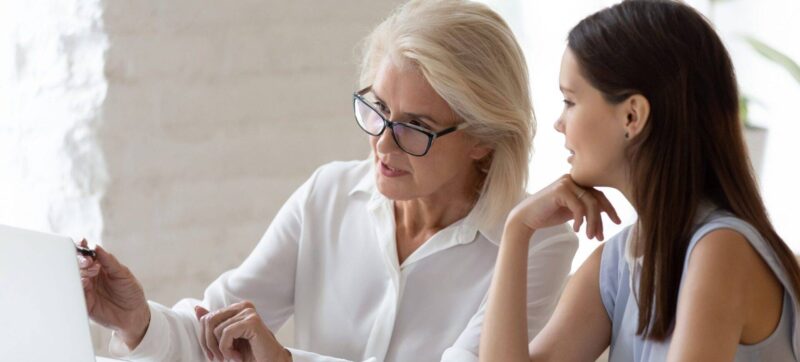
x=382, y=107
x=417, y=122
x=568, y=103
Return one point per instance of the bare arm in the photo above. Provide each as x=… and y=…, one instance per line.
x=504, y=335
x=579, y=329
x=729, y=296
x=505, y=330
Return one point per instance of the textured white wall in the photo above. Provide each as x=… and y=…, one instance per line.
x=52, y=174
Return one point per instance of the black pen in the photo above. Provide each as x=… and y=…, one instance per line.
x=86, y=252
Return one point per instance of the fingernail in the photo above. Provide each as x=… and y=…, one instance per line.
x=82, y=261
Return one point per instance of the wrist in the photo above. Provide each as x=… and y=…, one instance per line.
x=137, y=328
x=517, y=229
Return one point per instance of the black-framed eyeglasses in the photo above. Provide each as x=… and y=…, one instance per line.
x=412, y=139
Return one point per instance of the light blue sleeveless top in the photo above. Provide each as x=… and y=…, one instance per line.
x=620, y=302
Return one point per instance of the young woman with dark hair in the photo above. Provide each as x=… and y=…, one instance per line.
x=651, y=109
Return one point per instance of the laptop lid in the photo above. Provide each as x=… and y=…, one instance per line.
x=42, y=309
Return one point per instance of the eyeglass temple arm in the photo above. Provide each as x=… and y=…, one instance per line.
x=451, y=129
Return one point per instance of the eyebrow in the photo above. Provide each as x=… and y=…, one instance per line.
x=565, y=89
x=411, y=115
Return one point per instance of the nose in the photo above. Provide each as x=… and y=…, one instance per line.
x=385, y=142
x=559, y=125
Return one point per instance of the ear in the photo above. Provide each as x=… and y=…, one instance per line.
x=636, y=113
x=479, y=151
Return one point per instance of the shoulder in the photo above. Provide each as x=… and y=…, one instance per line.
x=723, y=259
x=341, y=177
x=725, y=274
x=724, y=247
x=332, y=183
x=721, y=246
x=350, y=172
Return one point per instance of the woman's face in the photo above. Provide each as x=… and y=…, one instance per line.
x=404, y=95
x=594, y=129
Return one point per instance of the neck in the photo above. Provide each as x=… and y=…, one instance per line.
x=437, y=211
x=419, y=215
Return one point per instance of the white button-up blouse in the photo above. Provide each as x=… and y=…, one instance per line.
x=330, y=259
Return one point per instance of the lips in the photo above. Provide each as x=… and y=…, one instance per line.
x=389, y=171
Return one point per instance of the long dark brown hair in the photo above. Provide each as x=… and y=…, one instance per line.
x=691, y=148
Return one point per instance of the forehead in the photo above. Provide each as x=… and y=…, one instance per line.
x=569, y=77
x=404, y=88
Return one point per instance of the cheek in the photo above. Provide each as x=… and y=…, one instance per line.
x=431, y=170
x=588, y=132
x=373, y=144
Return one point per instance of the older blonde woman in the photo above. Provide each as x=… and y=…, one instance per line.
x=387, y=259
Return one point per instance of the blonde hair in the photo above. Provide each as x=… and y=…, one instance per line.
x=470, y=57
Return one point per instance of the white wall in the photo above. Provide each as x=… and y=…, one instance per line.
x=52, y=174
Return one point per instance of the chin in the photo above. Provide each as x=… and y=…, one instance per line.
x=392, y=191
x=581, y=178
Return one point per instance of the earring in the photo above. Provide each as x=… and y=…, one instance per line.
x=626, y=135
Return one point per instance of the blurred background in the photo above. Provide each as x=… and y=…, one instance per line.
x=761, y=37
x=172, y=131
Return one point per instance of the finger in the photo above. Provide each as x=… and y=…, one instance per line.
x=109, y=262
x=233, y=331
x=199, y=312
x=211, y=343
x=575, y=206
x=592, y=214
x=88, y=295
x=83, y=261
x=210, y=322
x=86, y=263
x=90, y=272
x=598, y=218
x=220, y=331
x=87, y=284
x=608, y=208
x=221, y=327
x=569, y=194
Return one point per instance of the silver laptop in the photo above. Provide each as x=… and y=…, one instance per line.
x=42, y=308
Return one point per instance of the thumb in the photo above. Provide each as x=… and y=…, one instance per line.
x=108, y=261
x=199, y=311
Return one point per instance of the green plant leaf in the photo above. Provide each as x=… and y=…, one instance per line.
x=744, y=109
x=775, y=56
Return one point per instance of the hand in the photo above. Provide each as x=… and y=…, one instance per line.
x=114, y=298
x=561, y=201
x=238, y=333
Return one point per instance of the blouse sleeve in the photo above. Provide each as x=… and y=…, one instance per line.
x=549, y=261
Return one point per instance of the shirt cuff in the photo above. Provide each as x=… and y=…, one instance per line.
x=153, y=343
x=456, y=354
x=305, y=356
